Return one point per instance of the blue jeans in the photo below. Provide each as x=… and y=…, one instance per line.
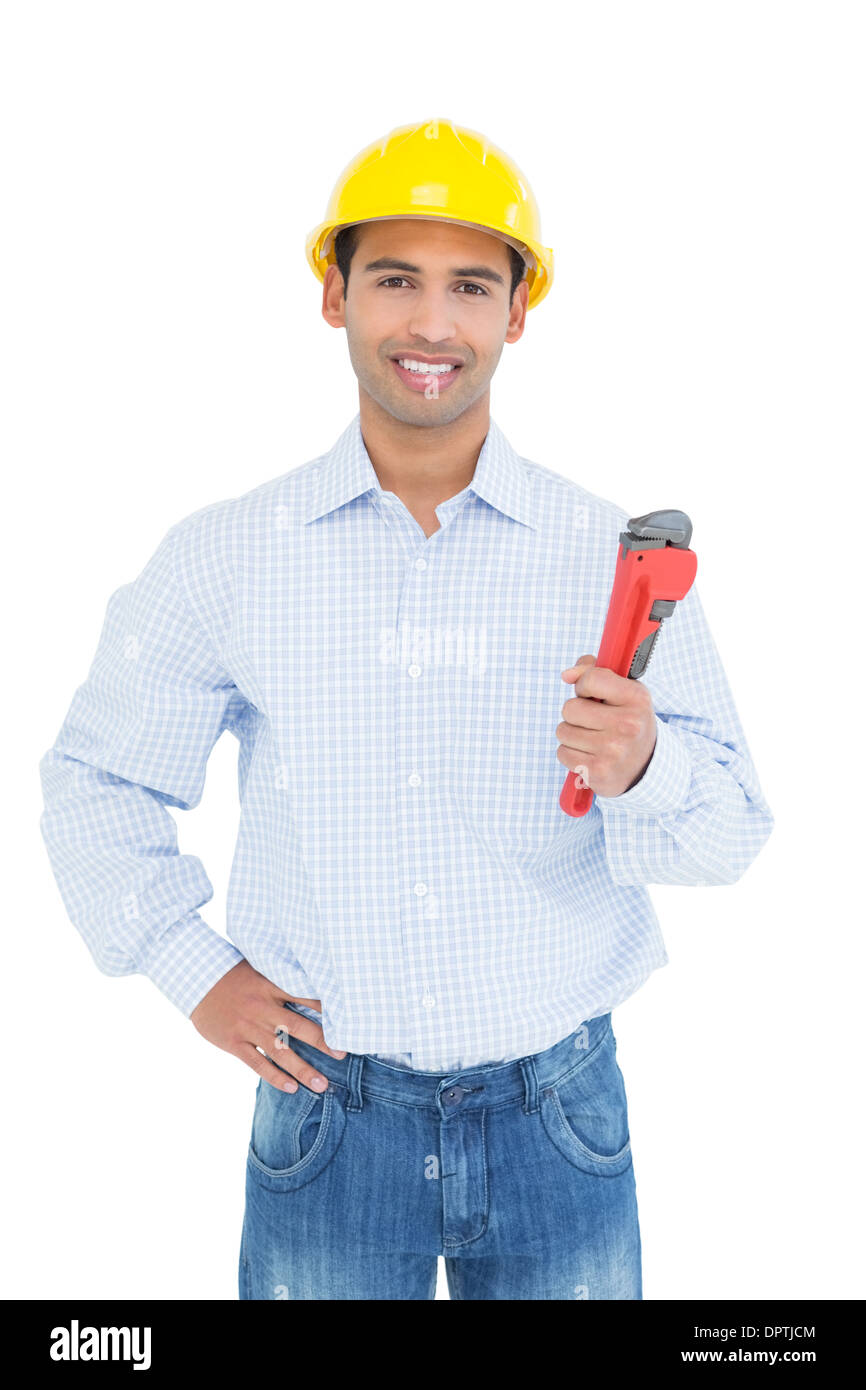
x=519, y=1174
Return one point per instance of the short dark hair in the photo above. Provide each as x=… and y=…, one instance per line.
x=346, y=241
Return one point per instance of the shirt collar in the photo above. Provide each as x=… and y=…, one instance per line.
x=346, y=472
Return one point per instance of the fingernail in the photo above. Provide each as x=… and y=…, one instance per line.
x=340, y=1055
x=318, y=1083
x=290, y=1086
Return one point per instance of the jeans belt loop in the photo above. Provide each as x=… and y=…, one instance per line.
x=530, y=1081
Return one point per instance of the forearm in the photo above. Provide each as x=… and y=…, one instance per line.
x=697, y=816
x=126, y=888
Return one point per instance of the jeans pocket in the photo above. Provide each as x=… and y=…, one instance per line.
x=294, y=1135
x=585, y=1113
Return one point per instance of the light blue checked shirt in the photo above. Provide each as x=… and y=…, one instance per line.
x=402, y=855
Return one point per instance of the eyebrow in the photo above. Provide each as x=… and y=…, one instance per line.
x=472, y=272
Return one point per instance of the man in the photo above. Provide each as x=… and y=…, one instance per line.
x=424, y=949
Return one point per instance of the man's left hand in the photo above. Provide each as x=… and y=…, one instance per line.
x=609, y=745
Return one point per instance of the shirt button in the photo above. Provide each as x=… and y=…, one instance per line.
x=414, y=779
x=420, y=889
x=420, y=564
x=414, y=670
x=428, y=1001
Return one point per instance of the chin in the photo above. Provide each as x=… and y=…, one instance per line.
x=442, y=413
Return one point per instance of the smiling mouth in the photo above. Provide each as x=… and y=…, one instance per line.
x=422, y=368
x=431, y=378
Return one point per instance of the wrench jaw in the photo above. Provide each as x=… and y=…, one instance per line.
x=655, y=530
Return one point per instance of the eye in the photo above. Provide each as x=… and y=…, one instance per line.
x=467, y=284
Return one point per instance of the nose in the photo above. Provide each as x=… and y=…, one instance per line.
x=432, y=321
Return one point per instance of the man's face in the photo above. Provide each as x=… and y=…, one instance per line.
x=419, y=290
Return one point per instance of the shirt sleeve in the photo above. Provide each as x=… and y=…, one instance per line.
x=698, y=814
x=135, y=741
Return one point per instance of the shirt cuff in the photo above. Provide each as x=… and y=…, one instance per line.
x=665, y=784
x=187, y=960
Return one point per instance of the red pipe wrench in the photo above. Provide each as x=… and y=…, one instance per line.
x=654, y=569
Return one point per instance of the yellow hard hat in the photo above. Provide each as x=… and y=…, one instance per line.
x=437, y=169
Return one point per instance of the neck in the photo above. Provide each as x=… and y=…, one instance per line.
x=424, y=465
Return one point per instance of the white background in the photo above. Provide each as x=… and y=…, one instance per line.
x=699, y=168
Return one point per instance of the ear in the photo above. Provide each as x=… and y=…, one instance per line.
x=333, y=302
x=517, y=316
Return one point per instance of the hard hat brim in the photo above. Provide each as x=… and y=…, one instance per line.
x=539, y=259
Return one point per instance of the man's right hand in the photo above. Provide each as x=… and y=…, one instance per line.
x=245, y=1011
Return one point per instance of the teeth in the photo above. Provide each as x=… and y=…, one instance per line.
x=428, y=368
